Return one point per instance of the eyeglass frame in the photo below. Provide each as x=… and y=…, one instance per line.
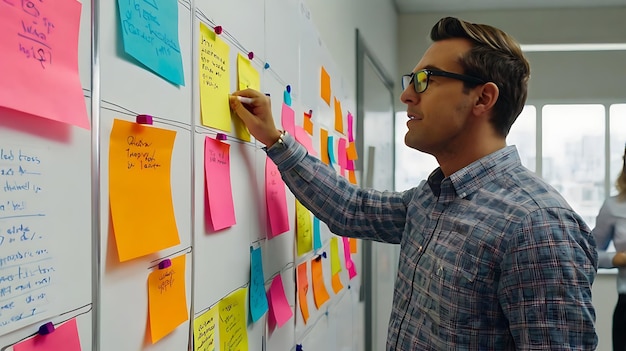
x=438, y=73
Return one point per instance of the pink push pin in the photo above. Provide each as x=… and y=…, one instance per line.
x=251, y=55
x=218, y=30
x=221, y=136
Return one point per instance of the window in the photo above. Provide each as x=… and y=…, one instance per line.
x=573, y=155
x=523, y=135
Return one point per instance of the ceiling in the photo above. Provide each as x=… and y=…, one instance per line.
x=422, y=6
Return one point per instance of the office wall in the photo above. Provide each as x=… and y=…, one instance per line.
x=113, y=310
x=553, y=76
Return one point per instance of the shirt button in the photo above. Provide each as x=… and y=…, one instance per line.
x=419, y=248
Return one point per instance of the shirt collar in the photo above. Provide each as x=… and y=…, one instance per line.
x=474, y=176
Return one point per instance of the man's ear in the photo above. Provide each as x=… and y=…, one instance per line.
x=488, y=94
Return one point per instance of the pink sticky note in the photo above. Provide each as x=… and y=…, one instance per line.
x=342, y=156
x=304, y=138
x=348, y=259
x=276, y=200
x=64, y=337
x=288, y=119
x=219, y=190
x=279, y=305
x=350, y=127
x=39, y=70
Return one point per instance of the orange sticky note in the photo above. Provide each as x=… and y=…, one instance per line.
x=276, y=200
x=64, y=337
x=167, y=299
x=304, y=229
x=351, y=151
x=324, y=146
x=218, y=187
x=307, y=124
x=303, y=288
x=325, y=86
x=336, y=283
x=140, y=191
x=39, y=70
x=353, y=245
x=352, y=176
x=338, y=116
x=320, y=295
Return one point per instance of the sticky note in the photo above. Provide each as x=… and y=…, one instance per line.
x=258, y=297
x=305, y=139
x=307, y=123
x=39, y=70
x=335, y=261
x=317, y=239
x=336, y=283
x=348, y=259
x=324, y=146
x=167, y=299
x=304, y=237
x=288, y=119
x=325, y=85
x=320, y=294
x=276, y=200
x=64, y=337
x=204, y=330
x=350, y=121
x=281, y=311
x=232, y=325
x=353, y=245
x=139, y=170
x=351, y=151
x=214, y=80
x=248, y=78
x=303, y=288
x=150, y=34
x=338, y=116
x=218, y=186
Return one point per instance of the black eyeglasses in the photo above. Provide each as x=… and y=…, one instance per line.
x=421, y=78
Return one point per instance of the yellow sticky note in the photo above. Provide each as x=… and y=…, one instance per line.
x=338, y=116
x=214, y=70
x=167, y=299
x=336, y=283
x=204, y=330
x=335, y=263
x=320, y=294
x=304, y=229
x=325, y=86
x=247, y=78
x=233, y=332
x=140, y=191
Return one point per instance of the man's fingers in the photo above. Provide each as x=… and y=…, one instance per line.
x=239, y=109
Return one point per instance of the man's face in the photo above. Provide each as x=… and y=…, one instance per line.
x=439, y=115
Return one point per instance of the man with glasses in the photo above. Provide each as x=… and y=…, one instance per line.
x=492, y=257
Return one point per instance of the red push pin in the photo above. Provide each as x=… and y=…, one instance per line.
x=218, y=30
x=251, y=55
x=144, y=119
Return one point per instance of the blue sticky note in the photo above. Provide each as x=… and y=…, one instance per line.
x=150, y=34
x=317, y=240
x=287, y=98
x=331, y=152
x=258, y=298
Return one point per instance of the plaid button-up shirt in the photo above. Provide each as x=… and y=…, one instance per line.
x=492, y=257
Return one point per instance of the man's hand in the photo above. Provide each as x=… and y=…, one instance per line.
x=619, y=260
x=256, y=114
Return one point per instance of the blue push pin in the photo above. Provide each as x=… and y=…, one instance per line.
x=266, y=66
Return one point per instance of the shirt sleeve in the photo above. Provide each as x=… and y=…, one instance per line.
x=346, y=209
x=545, y=287
x=603, y=234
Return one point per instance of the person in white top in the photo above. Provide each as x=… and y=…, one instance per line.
x=611, y=226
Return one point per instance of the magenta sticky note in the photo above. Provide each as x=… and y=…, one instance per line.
x=350, y=127
x=218, y=188
x=348, y=259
